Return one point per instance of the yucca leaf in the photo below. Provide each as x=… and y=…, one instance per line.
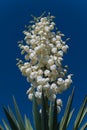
x=7, y=127
x=36, y=115
x=27, y=124
x=80, y=114
x=19, y=117
x=69, y=118
x=11, y=121
x=83, y=115
x=63, y=123
x=44, y=113
x=84, y=127
x=51, y=117
x=55, y=116
x=13, y=116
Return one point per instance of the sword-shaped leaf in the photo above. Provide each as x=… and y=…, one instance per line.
x=70, y=116
x=11, y=121
x=27, y=124
x=84, y=127
x=36, y=115
x=13, y=116
x=19, y=117
x=7, y=127
x=65, y=118
x=80, y=114
x=83, y=116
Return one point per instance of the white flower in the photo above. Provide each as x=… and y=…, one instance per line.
x=53, y=86
x=58, y=109
x=46, y=29
x=43, y=19
x=52, y=97
x=59, y=102
x=53, y=67
x=39, y=77
x=46, y=86
x=26, y=57
x=54, y=50
x=53, y=39
x=64, y=48
x=51, y=45
x=32, y=55
x=68, y=82
x=60, y=81
x=33, y=75
x=51, y=27
x=47, y=73
x=41, y=32
x=28, y=71
x=30, y=96
x=58, y=45
x=40, y=72
x=60, y=53
x=50, y=62
x=33, y=26
x=39, y=88
x=26, y=48
x=38, y=95
x=58, y=37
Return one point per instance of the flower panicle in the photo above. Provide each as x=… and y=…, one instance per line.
x=43, y=55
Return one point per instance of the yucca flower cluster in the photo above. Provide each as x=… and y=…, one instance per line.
x=44, y=50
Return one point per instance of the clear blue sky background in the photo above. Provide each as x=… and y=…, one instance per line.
x=71, y=19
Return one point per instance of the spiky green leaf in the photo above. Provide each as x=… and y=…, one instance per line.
x=11, y=121
x=19, y=117
x=69, y=118
x=36, y=115
x=83, y=115
x=13, y=116
x=65, y=118
x=80, y=114
x=84, y=127
x=7, y=127
x=27, y=124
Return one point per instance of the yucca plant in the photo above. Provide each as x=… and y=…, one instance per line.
x=44, y=48
x=47, y=119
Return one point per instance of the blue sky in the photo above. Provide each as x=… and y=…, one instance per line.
x=71, y=19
